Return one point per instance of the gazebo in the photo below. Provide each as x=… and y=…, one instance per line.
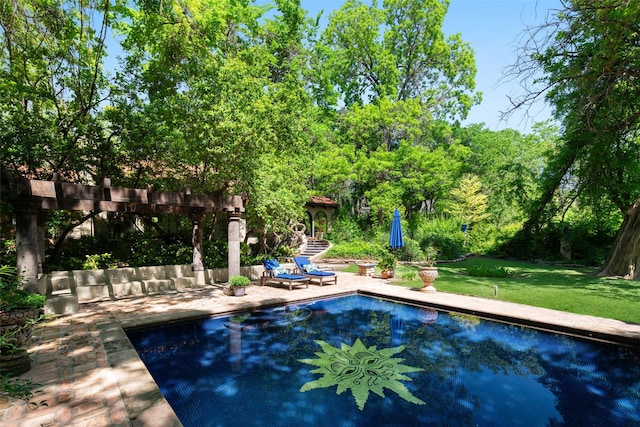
x=320, y=212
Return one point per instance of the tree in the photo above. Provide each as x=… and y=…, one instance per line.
x=226, y=98
x=467, y=201
x=51, y=85
x=589, y=59
x=510, y=166
x=399, y=52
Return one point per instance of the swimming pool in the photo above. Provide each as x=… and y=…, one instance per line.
x=328, y=362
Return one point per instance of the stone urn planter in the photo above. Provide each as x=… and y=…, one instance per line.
x=238, y=284
x=428, y=276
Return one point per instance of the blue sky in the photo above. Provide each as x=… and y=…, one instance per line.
x=492, y=28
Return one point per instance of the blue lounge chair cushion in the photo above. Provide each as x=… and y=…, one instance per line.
x=288, y=276
x=270, y=264
x=320, y=273
x=309, y=268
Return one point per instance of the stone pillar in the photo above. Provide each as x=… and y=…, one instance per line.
x=42, y=222
x=27, y=247
x=233, y=238
x=197, y=222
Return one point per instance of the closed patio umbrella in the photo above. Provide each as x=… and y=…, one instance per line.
x=395, y=239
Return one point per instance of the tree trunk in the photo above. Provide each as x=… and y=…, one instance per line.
x=624, y=257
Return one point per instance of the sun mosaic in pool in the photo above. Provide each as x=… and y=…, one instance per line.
x=362, y=370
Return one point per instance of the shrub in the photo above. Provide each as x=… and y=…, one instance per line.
x=99, y=261
x=344, y=229
x=387, y=261
x=442, y=233
x=484, y=271
x=487, y=239
x=356, y=250
x=411, y=251
x=239, y=281
x=11, y=293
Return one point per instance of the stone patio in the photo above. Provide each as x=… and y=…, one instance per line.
x=91, y=376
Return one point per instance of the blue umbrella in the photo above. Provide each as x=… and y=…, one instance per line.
x=395, y=239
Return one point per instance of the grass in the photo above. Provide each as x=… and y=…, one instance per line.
x=570, y=289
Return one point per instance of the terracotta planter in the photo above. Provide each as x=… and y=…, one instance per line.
x=15, y=363
x=14, y=327
x=428, y=276
x=15, y=320
x=386, y=273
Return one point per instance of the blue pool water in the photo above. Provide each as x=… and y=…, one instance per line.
x=328, y=362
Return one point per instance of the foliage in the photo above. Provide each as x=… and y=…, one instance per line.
x=12, y=294
x=344, y=228
x=467, y=202
x=99, y=261
x=239, y=281
x=587, y=245
x=228, y=97
x=387, y=261
x=20, y=388
x=356, y=250
x=397, y=51
x=430, y=255
x=489, y=239
x=442, y=233
x=53, y=82
x=489, y=271
x=408, y=276
x=585, y=60
x=410, y=251
x=510, y=165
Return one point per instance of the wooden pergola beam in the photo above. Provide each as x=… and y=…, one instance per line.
x=79, y=197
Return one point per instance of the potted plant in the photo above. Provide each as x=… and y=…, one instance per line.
x=429, y=272
x=387, y=263
x=20, y=310
x=238, y=283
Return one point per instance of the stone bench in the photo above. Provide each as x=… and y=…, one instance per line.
x=65, y=290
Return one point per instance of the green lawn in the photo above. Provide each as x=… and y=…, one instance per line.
x=575, y=290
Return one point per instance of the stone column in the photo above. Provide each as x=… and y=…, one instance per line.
x=27, y=247
x=233, y=239
x=197, y=221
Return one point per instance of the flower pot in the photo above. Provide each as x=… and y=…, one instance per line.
x=13, y=324
x=16, y=330
x=238, y=291
x=386, y=273
x=428, y=276
x=14, y=363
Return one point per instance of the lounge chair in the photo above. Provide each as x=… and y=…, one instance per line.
x=314, y=274
x=276, y=274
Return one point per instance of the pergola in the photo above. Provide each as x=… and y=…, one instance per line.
x=30, y=197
